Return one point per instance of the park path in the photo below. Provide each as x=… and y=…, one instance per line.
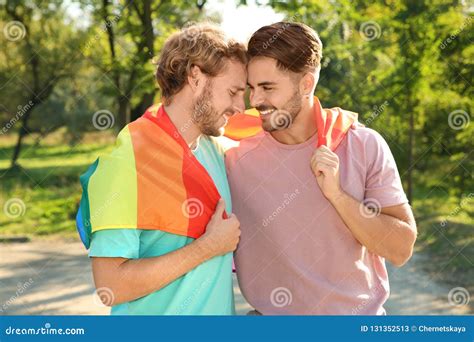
x=54, y=278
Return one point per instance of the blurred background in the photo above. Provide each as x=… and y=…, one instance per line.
x=73, y=73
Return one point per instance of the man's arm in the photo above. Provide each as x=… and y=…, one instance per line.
x=390, y=233
x=129, y=279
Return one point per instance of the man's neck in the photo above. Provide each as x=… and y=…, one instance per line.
x=179, y=112
x=302, y=128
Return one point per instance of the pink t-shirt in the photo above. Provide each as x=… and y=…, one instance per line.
x=296, y=255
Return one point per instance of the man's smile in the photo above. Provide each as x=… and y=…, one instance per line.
x=266, y=112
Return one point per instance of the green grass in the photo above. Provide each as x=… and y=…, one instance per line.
x=446, y=233
x=46, y=183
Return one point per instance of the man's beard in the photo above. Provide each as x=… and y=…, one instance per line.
x=283, y=118
x=204, y=115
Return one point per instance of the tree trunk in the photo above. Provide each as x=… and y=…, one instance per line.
x=139, y=109
x=123, y=112
x=148, y=44
x=17, y=149
x=21, y=134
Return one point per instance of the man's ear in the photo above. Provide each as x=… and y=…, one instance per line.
x=316, y=77
x=308, y=82
x=195, y=77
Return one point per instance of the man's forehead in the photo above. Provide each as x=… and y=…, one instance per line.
x=259, y=79
x=263, y=70
x=235, y=75
x=262, y=63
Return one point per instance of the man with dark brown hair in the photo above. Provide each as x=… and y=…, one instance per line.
x=317, y=223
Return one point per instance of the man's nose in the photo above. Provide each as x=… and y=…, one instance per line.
x=256, y=98
x=239, y=105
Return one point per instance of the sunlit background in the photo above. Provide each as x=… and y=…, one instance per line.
x=73, y=73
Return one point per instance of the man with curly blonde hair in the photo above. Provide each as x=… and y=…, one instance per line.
x=174, y=256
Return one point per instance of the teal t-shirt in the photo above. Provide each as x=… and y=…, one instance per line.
x=205, y=290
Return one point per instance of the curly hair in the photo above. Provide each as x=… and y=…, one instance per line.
x=202, y=45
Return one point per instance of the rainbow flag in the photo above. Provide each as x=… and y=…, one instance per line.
x=151, y=180
x=332, y=124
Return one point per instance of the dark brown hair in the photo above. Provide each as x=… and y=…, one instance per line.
x=295, y=46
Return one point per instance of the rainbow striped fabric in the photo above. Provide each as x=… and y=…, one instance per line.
x=332, y=124
x=151, y=180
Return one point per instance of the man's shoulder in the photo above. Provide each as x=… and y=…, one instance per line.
x=368, y=147
x=245, y=147
x=366, y=138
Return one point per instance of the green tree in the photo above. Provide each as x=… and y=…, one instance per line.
x=386, y=60
x=40, y=50
x=129, y=34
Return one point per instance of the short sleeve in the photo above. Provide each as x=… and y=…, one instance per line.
x=383, y=183
x=118, y=243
